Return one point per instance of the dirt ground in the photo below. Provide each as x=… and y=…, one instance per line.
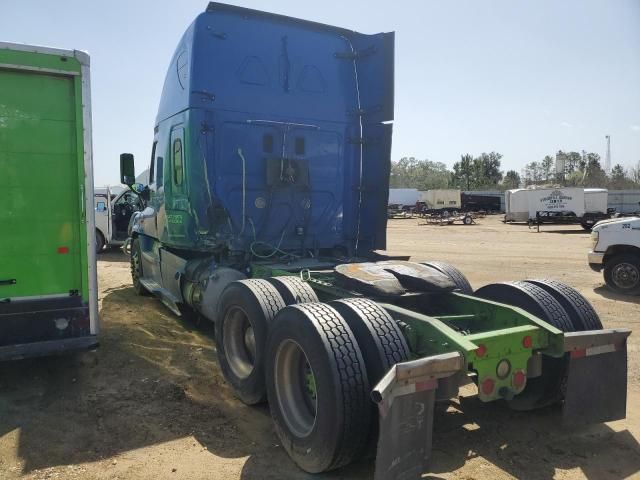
x=151, y=403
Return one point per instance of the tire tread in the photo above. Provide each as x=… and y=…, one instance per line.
x=582, y=314
x=454, y=274
x=293, y=289
x=353, y=381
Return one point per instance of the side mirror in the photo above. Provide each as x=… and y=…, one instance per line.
x=127, y=169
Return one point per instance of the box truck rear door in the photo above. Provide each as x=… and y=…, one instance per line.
x=40, y=247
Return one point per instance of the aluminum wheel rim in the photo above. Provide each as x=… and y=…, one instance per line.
x=625, y=275
x=239, y=342
x=293, y=377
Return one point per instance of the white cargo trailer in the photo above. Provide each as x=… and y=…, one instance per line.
x=596, y=200
x=407, y=197
x=556, y=205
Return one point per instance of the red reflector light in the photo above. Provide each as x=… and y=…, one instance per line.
x=488, y=384
x=527, y=342
x=519, y=378
x=481, y=350
x=63, y=249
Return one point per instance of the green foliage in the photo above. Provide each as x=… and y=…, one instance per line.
x=480, y=173
x=594, y=175
x=409, y=172
x=511, y=180
x=483, y=173
x=580, y=170
x=546, y=168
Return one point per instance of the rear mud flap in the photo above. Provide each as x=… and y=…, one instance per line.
x=596, y=384
x=405, y=398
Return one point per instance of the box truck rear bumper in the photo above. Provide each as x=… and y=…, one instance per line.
x=44, y=326
x=50, y=347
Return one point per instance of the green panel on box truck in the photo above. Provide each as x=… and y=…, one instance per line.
x=48, y=299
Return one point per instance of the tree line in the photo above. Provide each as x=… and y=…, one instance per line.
x=579, y=169
x=470, y=173
x=483, y=172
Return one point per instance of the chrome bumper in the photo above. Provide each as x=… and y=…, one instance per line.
x=595, y=260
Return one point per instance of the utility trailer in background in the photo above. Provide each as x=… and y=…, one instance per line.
x=48, y=289
x=404, y=197
x=582, y=206
x=270, y=220
x=439, y=200
x=481, y=202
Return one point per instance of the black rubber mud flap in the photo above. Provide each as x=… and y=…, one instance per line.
x=406, y=397
x=596, y=386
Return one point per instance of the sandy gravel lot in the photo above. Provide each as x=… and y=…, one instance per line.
x=151, y=403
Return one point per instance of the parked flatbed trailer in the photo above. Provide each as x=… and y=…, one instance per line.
x=449, y=219
x=266, y=214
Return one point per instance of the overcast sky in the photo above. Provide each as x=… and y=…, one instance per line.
x=523, y=78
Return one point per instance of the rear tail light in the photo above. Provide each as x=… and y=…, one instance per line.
x=527, y=341
x=488, y=385
x=481, y=351
x=519, y=379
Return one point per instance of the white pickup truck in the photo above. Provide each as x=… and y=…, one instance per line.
x=615, y=248
x=112, y=215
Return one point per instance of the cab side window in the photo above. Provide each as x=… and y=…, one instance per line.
x=159, y=172
x=178, y=162
x=152, y=169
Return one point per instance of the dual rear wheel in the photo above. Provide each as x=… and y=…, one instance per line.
x=315, y=362
x=559, y=305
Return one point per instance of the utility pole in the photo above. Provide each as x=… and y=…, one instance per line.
x=607, y=158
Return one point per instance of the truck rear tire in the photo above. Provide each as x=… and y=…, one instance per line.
x=530, y=298
x=136, y=267
x=318, y=387
x=378, y=335
x=381, y=341
x=454, y=274
x=100, y=242
x=547, y=388
x=582, y=315
x=622, y=273
x=247, y=308
x=293, y=290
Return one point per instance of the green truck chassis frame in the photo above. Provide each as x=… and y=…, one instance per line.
x=468, y=337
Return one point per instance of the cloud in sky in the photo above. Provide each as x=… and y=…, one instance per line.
x=635, y=128
x=566, y=124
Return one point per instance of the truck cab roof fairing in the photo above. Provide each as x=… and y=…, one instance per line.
x=279, y=89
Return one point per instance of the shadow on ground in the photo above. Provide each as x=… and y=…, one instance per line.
x=529, y=444
x=154, y=379
x=604, y=291
x=113, y=255
x=579, y=231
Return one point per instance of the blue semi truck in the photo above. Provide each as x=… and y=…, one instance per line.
x=265, y=213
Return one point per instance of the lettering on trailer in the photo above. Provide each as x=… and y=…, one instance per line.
x=556, y=200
